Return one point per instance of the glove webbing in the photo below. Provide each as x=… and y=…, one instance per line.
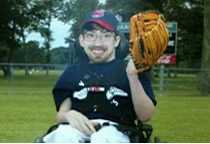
x=148, y=39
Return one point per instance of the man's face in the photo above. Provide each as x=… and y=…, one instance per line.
x=99, y=45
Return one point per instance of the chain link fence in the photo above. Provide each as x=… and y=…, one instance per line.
x=165, y=80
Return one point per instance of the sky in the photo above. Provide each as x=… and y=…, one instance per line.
x=59, y=32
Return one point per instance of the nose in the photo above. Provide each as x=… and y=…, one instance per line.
x=98, y=37
x=98, y=40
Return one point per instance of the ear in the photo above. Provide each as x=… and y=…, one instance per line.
x=117, y=41
x=81, y=40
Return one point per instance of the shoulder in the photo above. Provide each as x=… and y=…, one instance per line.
x=68, y=73
x=73, y=68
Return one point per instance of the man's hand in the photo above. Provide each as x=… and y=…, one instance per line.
x=80, y=122
x=131, y=69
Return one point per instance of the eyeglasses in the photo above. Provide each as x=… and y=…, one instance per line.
x=103, y=36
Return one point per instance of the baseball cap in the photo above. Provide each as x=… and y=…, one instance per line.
x=104, y=19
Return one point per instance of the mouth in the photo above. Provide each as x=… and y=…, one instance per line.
x=98, y=50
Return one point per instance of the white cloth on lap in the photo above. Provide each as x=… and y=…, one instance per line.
x=68, y=134
x=65, y=134
x=109, y=134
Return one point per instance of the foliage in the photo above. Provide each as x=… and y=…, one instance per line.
x=74, y=12
x=204, y=82
x=32, y=52
x=21, y=16
x=205, y=75
x=60, y=55
x=188, y=14
x=51, y=9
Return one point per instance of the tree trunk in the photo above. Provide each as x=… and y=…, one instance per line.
x=7, y=71
x=205, y=66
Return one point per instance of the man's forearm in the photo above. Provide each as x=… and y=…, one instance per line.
x=143, y=105
x=64, y=109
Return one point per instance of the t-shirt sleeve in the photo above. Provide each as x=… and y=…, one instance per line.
x=145, y=80
x=62, y=88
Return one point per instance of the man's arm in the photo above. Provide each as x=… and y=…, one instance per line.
x=143, y=105
x=63, y=110
x=75, y=118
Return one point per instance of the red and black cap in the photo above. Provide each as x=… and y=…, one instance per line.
x=103, y=18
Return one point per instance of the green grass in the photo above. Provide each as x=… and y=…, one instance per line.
x=27, y=109
x=182, y=119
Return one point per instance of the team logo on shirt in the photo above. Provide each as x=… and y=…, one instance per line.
x=114, y=91
x=110, y=94
x=81, y=83
x=83, y=93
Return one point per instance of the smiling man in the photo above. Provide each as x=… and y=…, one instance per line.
x=102, y=93
x=99, y=37
x=99, y=44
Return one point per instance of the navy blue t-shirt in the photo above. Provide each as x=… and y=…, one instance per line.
x=100, y=90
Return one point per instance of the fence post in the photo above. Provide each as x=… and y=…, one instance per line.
x=26, y=70
x=161, y=75
x=47, y=69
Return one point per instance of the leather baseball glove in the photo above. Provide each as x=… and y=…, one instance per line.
x=148, y=39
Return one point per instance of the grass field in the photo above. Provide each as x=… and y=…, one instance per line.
x=27, y=109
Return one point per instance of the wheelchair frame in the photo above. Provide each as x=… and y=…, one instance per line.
x=142, y=133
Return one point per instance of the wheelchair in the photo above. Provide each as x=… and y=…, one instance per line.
x=141, y=133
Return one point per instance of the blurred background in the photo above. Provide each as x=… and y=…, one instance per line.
x=38, y=39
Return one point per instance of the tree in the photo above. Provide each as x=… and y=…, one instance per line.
x=205, y=67
x=127, y=8
x=20, y=16
x=187, y=13
x=37, y=54
x=51, y=10
x=13, y=21
x=60, y=55
x=74, y=11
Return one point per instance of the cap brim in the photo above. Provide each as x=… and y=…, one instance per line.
x=101, y=23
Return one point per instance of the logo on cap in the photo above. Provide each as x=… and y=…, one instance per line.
x=98, y=14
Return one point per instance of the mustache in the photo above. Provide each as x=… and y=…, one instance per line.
x=97, y=47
